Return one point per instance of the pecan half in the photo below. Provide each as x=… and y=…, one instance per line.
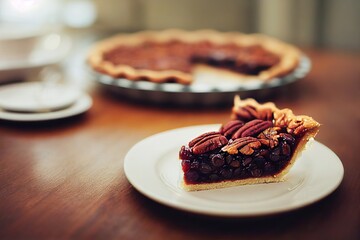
x=245, y=145
x=207, y=142
x=287, y=137
x=265, y=114
x=252, y=128
x=269, y=137
x=296, y=127
x=248, y=113
x=231, y=127
x=281, y=119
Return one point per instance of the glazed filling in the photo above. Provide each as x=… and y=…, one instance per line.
x=218, y=165
x=182, y=56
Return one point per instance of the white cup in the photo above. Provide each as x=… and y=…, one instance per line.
x=18, y=41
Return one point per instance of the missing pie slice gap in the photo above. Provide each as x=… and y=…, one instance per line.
x=258, y=145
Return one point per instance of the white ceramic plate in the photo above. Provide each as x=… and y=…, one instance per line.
x=83, y=103
x=153, y=168
x=36, y=97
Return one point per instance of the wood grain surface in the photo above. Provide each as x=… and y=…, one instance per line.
x=64, y=179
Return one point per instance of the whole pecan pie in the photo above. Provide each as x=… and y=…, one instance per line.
x=175, y=55
x=258, y=145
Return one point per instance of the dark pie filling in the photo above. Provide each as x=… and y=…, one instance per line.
x=177, y=55
x=217, y=165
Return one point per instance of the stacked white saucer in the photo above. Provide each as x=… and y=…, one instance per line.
x=36, y=101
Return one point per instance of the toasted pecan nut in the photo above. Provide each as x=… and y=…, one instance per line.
x=296, y=127
x=245, y=145
x=248, y=113
x=269, y=137
x=252, y=128
x=231, y=127
x=265, y=114
x=207, y=142
x=281, y=118
x=202, y=137
x=300, y=124
x=287, y=137
x=249, y=148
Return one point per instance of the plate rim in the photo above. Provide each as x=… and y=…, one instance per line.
x=75, y=94
x=82, y=104
x=166, y=202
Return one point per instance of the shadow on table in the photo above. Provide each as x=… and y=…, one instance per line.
x=38, y=126
x=303, y=219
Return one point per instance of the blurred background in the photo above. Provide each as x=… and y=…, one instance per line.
x=321, y=23
x=324, y=23
x=329, y=24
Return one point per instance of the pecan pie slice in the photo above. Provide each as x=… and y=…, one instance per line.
x=175, y=55
x=258, y=145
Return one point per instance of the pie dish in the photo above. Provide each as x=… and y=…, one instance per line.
x=176, y=55
x=258, y=145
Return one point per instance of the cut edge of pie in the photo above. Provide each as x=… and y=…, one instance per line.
x=305, y=126
x=288, y=54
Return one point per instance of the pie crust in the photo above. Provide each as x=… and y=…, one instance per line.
x=302, y=127
x=288, y=55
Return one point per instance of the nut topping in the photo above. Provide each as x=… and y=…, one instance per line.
x=269, y=137
x=207, y=142
x=231, y=127
x=252, y=128
x=265, y=114
x=249, y=148
x=245, y=145
x=281, y=118
x=247, y=113
x=287, y=137
x=296, y=126
x=200, y=138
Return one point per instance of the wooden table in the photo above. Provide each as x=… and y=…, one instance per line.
x=65, y=179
